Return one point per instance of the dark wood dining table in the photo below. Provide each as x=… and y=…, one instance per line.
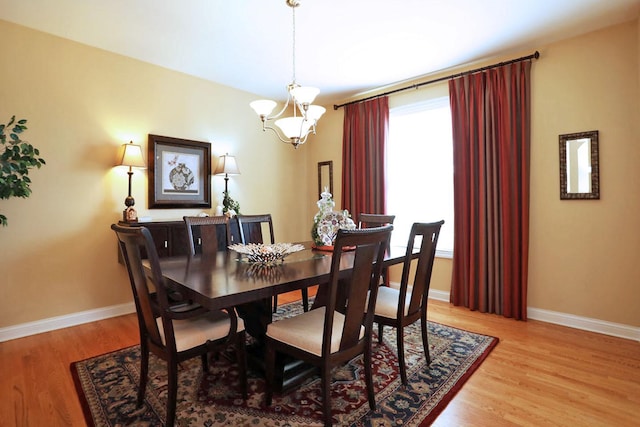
x=226, y=280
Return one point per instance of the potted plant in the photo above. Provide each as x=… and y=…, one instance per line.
x=230, y=207
x=17, y=157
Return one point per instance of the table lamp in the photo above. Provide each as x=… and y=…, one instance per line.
x=227, y=166
x=132, y=157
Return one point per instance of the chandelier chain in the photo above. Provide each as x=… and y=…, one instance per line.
x=294, y=45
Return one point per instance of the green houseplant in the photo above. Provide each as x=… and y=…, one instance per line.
x=230, y=205
x=16, y=158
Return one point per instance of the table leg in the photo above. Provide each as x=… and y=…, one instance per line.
x=256, y=316
x=289, y=372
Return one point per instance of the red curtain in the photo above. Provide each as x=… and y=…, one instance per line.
x=491, y=138
x=366, y=126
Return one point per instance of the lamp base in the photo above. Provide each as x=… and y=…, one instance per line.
x=130, y=215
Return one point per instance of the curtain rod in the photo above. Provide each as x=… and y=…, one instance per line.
x=534, y=55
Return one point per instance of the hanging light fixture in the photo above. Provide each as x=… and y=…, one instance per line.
x=292, y=130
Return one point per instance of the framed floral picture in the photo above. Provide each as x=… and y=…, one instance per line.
x=179, y=173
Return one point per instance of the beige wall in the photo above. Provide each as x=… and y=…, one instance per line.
x=584, y=253
x=58, y=255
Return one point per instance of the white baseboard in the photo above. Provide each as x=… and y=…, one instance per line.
x=569, y=320
x=585, y=323
x=59, y=322
x=439, y=295
x=564, y=319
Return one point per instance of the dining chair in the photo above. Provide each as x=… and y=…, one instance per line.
x=174, y=335
x=366, y=220
x=251, y=230
x=250, y=227
x=203, y=234
x=332, y=335
x=401, y=307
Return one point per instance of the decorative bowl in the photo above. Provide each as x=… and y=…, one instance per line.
x=266, y=254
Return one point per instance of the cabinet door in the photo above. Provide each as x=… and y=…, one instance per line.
x=170, y=238
x=235, y=231
x=179, y=239
x=197, y=239
x=161, y=238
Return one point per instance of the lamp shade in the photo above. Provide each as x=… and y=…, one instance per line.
x=132, y=156
x=263, y=107
x=304, y=94
x=314, y=112
x=294, y=127
x=227, y=166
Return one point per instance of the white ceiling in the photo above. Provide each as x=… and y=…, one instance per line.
x=344, y=47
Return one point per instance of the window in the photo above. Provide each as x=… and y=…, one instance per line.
x=420, y=170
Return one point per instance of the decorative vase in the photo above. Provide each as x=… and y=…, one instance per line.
x=327, y=222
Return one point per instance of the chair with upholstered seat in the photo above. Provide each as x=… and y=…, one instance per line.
x=251, y=228
x=204, y=234
x=251, y=231
x=401, y=307
x=331, y=335
x=174, y=335
x=366, y=220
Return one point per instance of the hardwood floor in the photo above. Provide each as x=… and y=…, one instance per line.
x=544, y=374
x=539, y=374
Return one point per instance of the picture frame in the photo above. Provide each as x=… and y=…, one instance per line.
x=325, y=177
x=179, y=173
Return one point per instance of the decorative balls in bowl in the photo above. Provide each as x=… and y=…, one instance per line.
x=266, y=254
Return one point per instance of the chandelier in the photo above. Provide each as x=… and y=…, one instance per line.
x=294, y=129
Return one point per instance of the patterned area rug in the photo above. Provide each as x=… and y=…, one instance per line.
x=107, y=386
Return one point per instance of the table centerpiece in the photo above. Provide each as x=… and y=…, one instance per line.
x=265, y=254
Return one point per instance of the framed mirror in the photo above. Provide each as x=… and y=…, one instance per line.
x=579, y=169
x=325, y=177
